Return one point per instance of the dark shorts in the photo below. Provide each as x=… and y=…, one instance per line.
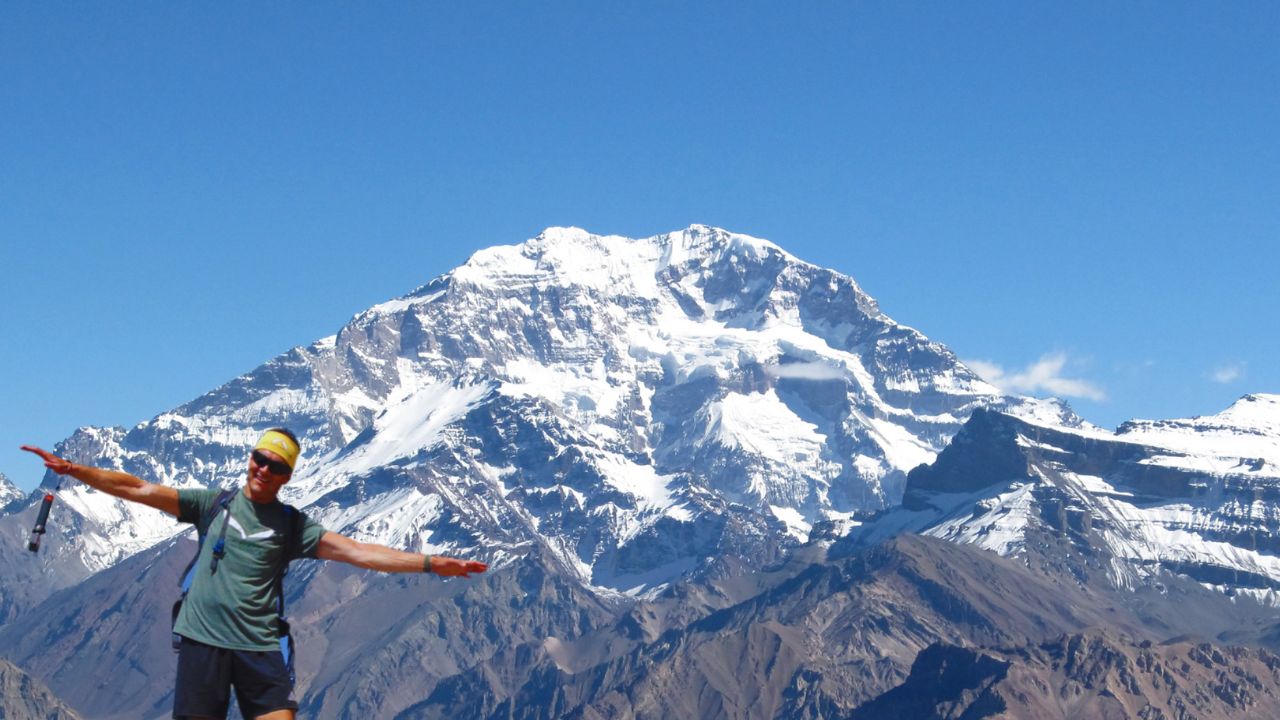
x=206, y=675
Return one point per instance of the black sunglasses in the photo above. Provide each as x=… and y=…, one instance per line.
x=275, y=467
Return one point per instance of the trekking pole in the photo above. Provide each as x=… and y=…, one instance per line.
x=41, y=519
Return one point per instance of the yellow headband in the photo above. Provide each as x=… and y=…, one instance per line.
x=280, y=444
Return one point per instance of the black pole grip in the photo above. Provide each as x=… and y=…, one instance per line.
x=43, y=517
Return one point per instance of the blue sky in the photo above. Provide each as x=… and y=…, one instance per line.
x=1080, y=197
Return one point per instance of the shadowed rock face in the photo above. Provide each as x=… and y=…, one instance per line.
x=985, y=452
x=22, y=697
x=1095, y=675
x=945, y=682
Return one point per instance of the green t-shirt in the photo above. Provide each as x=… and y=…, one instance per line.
x=236, y=607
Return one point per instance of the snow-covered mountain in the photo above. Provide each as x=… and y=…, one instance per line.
x=8, y=491
x=640, y=434
x=1198, y=498
x=634, y=406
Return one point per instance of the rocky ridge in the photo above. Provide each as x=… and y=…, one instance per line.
x=22, y=697
x=1093, y=674
x=828, y=631
x=1104, y=504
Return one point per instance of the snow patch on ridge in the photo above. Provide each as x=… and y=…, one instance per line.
x=409, y=425
x=763, y=425
x=643, y=482
x=903, y=450
x=797, y=527
x=1000, y=528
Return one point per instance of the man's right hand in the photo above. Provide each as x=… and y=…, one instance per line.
x=51, y=461
x=113, y=482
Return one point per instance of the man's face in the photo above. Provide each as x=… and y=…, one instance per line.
x=264, y=479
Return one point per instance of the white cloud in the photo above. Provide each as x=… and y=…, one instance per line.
x=805, y=371
x=1227, y=373
x=1041, y=376
x=988, y=371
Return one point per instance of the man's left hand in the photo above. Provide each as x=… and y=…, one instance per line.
x=453, y=567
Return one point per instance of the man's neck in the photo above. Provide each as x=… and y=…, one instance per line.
x=262, y=498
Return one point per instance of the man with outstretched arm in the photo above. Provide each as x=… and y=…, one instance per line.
x=229, y=621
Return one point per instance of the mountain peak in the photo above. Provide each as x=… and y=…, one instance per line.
x=696, y=235
x=572, y=255
x=1255, y=410
x=8, y=491
x=708, y=238
x=1250, y=428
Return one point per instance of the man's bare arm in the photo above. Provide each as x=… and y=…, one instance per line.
x=113, y=482
x=382, y=558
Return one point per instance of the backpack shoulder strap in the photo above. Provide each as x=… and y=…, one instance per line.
x=292, y=546
x=293, y=527
x=221, y=501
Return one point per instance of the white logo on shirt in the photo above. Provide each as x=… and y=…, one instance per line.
x=263, y=535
